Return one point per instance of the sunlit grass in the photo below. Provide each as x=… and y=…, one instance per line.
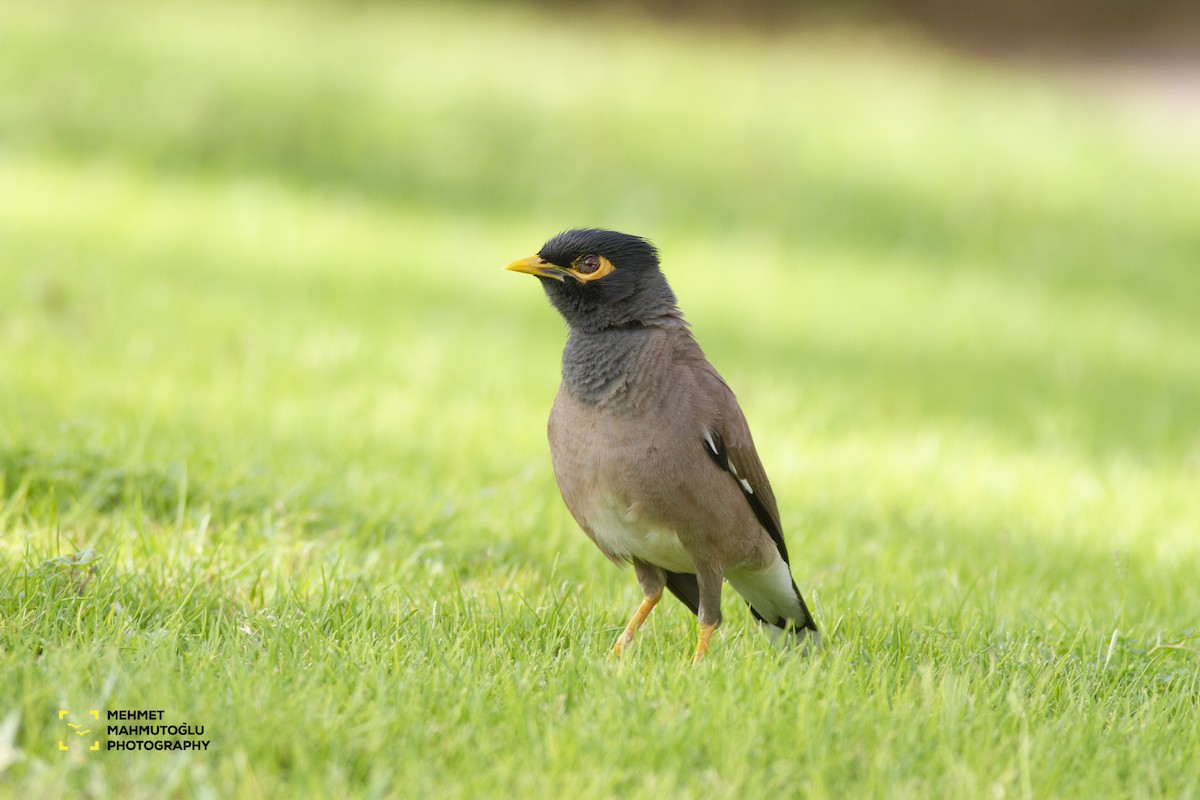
x=272, y=418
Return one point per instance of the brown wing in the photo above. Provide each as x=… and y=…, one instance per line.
x=729, y=443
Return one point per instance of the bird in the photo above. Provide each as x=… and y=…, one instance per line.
x=650, y=449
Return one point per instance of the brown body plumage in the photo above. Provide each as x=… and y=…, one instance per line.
x=651, y=451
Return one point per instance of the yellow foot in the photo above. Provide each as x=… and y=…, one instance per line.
x=626, y=638
x=706, y=632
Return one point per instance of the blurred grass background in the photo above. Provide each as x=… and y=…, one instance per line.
x=268, y=396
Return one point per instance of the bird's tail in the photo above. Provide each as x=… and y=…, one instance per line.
x=776, y=602
x=795, y=629
x=685, y=587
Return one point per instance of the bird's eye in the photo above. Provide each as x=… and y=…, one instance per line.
x=588, y=264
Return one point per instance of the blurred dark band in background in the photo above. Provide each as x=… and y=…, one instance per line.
x=1120, y=27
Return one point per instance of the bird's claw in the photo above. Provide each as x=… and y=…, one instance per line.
x=706, y=632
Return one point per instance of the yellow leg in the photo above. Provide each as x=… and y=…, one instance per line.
x=626, y=638
x=706, y=632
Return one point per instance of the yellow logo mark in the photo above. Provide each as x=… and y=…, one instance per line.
x=62, y=715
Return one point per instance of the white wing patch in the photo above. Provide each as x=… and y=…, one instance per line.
x=712, y=445
x=744, y=482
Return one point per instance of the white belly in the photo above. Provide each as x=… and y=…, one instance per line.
x=620, y=533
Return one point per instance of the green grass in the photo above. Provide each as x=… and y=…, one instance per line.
x=272, y=453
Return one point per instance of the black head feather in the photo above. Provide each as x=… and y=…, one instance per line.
x=634, y=293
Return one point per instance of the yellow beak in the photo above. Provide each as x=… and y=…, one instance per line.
x=536, y=265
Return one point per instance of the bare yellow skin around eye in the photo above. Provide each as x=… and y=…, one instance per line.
x=604, y=269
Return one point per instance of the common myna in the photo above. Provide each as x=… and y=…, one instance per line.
x=651, y=452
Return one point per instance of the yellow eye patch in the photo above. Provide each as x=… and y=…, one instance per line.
x=590, y=268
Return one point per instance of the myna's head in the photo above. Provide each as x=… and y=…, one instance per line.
x=601, y=279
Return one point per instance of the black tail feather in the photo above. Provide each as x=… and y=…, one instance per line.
x=796, y=626
x=684, y=586
x=686, y=589
x=808, y=621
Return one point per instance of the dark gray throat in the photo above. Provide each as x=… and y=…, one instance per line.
x=615, y=368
